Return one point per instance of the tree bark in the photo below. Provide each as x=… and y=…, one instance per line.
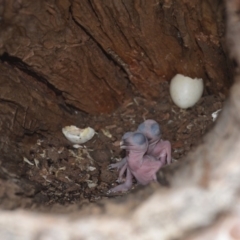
x=42, y=38
x=28, y=109
x=62, y=56
x=153, y=40
x=96, y=53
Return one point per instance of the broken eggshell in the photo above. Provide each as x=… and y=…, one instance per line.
x=77, y=135
x=185, y=91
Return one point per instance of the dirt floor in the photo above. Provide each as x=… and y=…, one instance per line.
x=53, y=174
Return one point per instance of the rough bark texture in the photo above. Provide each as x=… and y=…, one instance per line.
x=44, y=39
x=90, y=51
x=88, y=55
x=152, y=39
x=28, y=109
x=212, y=195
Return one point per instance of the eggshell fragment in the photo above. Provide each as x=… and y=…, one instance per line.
x=77, y=135
x=185, y=91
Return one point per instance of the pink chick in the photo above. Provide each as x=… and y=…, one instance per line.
x=156, y=146
x=142, y=167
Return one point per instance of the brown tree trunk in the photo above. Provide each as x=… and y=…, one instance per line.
x=91, y=55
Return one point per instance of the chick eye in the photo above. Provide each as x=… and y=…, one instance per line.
x=155, y=129
x=139, y=138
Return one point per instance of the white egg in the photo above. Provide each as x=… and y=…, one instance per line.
x=185, y=91
x=77, y=135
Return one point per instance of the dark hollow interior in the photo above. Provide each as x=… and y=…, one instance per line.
x=39, y=169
